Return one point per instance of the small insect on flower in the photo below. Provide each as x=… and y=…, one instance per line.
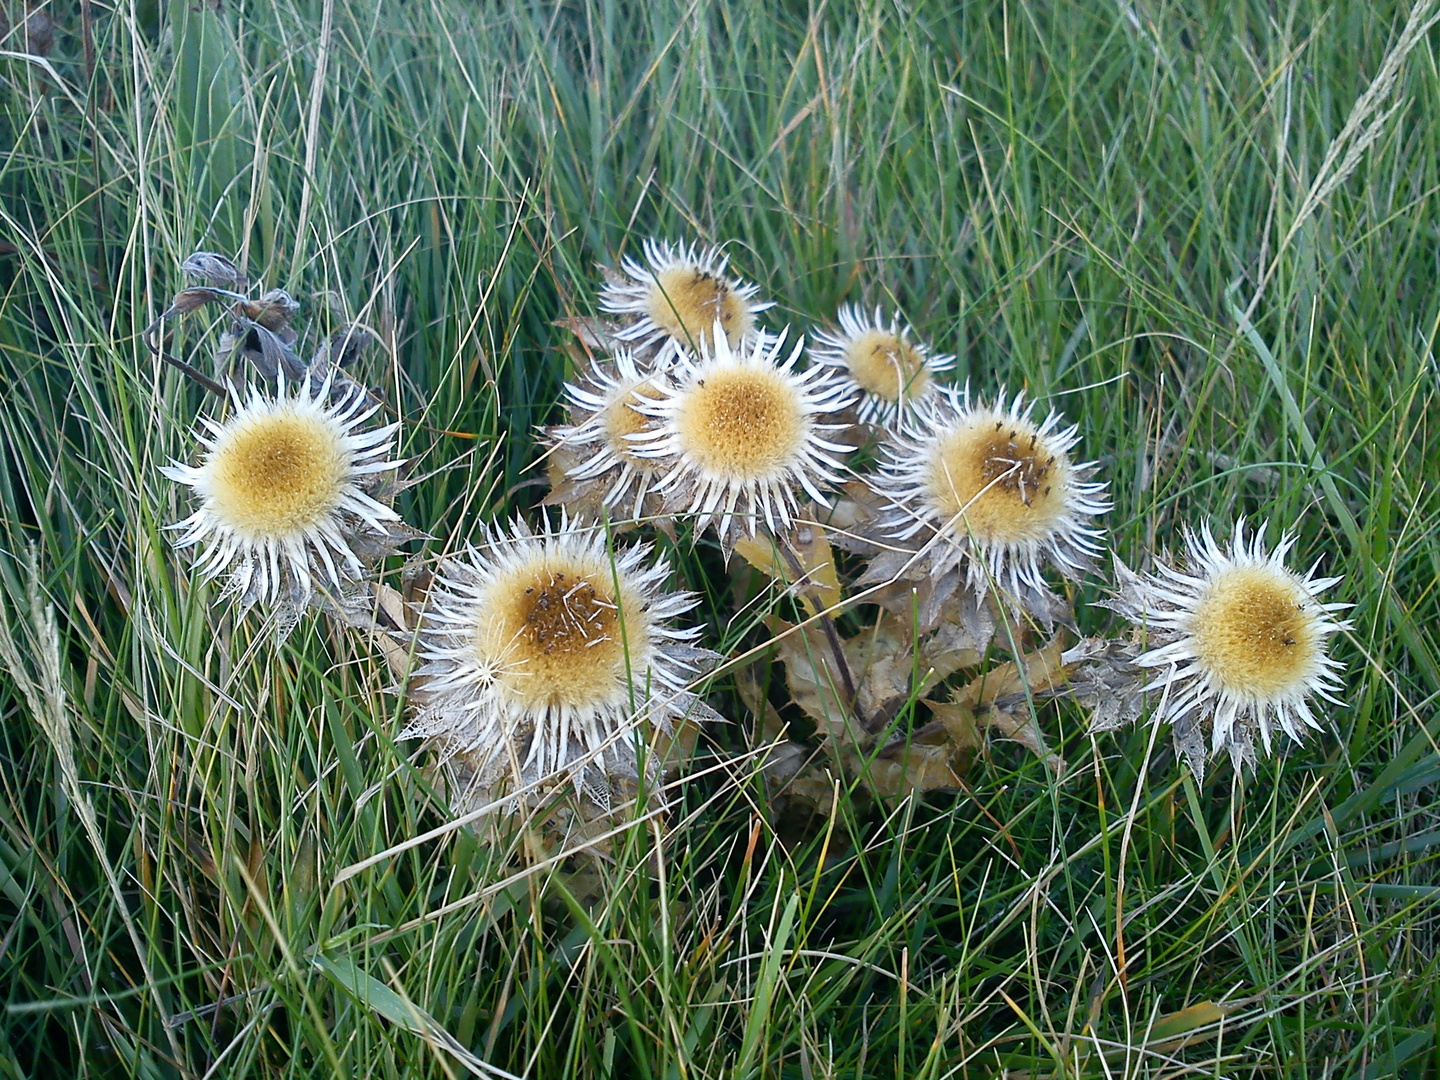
x=892, y=372
x=1239, y=640
x=596, y=452
x=287, y=487
x=679, y=297
x=545, y=651
x=986, y=487
x=738, y=432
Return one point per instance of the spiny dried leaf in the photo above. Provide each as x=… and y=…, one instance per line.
x=1027, y=733
x=812, y=573
x=274, y=311
x=959, y=723
x=813, y=678
x=918, y=767
x=801, y=776
x=958, y=642
x=596, y=335
x=188, y=300
x=785, y=759
x=1105, y=681
x=850, y=515
x=880, y=661
x=993, y=696
x=752, y=694
x=1036, y=673
x=888, y=663
x=341, y=349
x=214, y=269
x=392, y=606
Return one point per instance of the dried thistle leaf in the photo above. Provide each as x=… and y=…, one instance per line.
x=1105, y=682
x=955, y=644
x=214, y=269
x=342, y=348
x=596, y=335
x=1027, y=733
x=959, y=724
x=918, y=767
x=885, y=663
x=993, y=695
x=274, y=311
x=1036, y=673
x=752, y=694
x=812, y=575
x=812, y=677
x=188, y=300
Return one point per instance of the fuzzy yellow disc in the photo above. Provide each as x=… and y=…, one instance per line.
x=1253, y=632
x=686, y=301
x=998, y=479
x=555, y=634
x=278, y=474
x=742, y=423
x=886, y=365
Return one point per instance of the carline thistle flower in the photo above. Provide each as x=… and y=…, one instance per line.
x=1239, y=642
x=287, y=487
x=987, y=488
x=678, y=300
x=892, y=371
x=738, y=431
x=545, y=651
x=596, y=452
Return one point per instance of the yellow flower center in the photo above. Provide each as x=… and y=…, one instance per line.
x=554, y=632
x=741, y=423
x=887, y=366
x=1001, y=479
x=277, y=474
x=1255, y=632
x=685, y=302
x=622, y=418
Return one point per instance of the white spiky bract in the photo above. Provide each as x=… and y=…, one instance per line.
x=891, y=371
x=283, y=490
x=986, y=486
x=607, y=399
x=1240, y=641
x=739, y=432
x=677, y=295
x=545, y=651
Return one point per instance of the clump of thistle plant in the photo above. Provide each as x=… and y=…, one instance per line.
x=546, y=655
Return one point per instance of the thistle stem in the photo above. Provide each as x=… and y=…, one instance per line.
x=189, y=370
x=827, y=624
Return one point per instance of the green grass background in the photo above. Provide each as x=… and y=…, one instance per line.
x=1078, y=198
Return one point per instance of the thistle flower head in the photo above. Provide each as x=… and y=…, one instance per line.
x=545, y=651
x=738, y=433
x=1239, y=641
x=681, y=297
x=988, y=487
x=598, y=450
x=287, y=486
x=892, y=371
